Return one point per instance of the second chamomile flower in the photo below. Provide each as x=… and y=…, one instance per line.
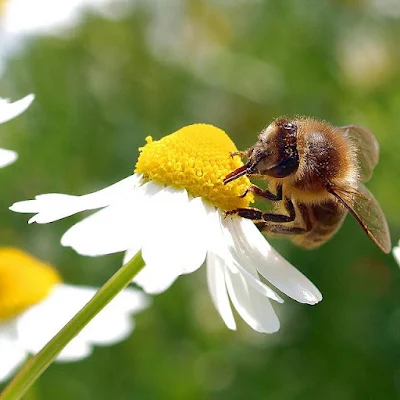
x=172, y=210
x=35, y=304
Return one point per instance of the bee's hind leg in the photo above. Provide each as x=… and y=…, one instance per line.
x=280, y=229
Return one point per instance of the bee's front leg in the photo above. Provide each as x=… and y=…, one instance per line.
x=265, y=193
x=241, y=154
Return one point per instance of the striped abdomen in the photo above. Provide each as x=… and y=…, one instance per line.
x=326, y=218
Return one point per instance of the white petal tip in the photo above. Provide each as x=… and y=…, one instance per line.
x=32, y=220
x=232, y=327
x=312, y=298
x=64, y=241
x=7, y=157
x=396, y=253
x=9, y=110
x=29, y=98
x=23, y=206
x=275, y=330
x=278, y=299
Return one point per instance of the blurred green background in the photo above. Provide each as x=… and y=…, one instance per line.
x=108, y=83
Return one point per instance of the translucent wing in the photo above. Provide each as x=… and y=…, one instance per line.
x=362, y=204
x=367, y=149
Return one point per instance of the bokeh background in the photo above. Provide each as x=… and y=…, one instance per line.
x=105, y=83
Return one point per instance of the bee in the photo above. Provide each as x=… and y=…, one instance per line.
x=315, y=174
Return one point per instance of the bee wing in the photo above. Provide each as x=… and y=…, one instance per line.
x=367, y=149
x=362, y=204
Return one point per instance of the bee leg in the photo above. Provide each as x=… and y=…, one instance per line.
x=280, y=217
x=257, y=215
x=239, y=153
x=280, y=229
x=266, y=194
x=306, y=216
x=249, y=213
x=283, y=229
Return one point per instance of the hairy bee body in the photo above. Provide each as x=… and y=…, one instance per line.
x=315, y=174
x=324, y=155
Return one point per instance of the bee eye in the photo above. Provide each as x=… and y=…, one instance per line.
x=289, y=126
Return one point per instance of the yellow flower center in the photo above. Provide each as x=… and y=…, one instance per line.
x=24, y=281
x=196, y=158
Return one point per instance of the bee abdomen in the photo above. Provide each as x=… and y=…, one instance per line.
x=326, y=218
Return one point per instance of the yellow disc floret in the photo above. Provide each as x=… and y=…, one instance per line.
x=24, y=281
x=196, y=158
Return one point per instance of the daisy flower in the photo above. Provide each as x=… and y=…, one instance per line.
x=9, y=111
x=35, y=304
x=172, y=210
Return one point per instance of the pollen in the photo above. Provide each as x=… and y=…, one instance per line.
x=24, y=281
x=196, y=158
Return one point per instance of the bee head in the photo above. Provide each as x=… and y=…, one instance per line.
x=275, y=153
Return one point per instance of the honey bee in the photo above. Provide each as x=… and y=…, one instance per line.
x=315, y=174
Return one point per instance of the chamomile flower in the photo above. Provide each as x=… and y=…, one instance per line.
x=35, y=304
x=172, y=210
x=9, y=111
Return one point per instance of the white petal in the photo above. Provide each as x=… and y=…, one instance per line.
x=11, y=110
x=75, y=350
x=222, y=243
x=155, y=279
x=256, y=251
x=178, y=238
x=254, y=281
x=396, y=254
x=118, y=227
x=40, y=323
x=129, y=301
x=176, y=242
x=102, y=331
x=254, y=308
x=7, y=157
x=12, y=354
x=217, y=288
x=114, y=323
x=54, y=206
x=129, y=254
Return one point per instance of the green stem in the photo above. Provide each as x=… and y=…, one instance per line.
x=34, y=368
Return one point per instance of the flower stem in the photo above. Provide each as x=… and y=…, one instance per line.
x=34, y=368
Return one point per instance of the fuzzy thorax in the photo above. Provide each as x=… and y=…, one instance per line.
x=196, y=158
x=24, y=281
